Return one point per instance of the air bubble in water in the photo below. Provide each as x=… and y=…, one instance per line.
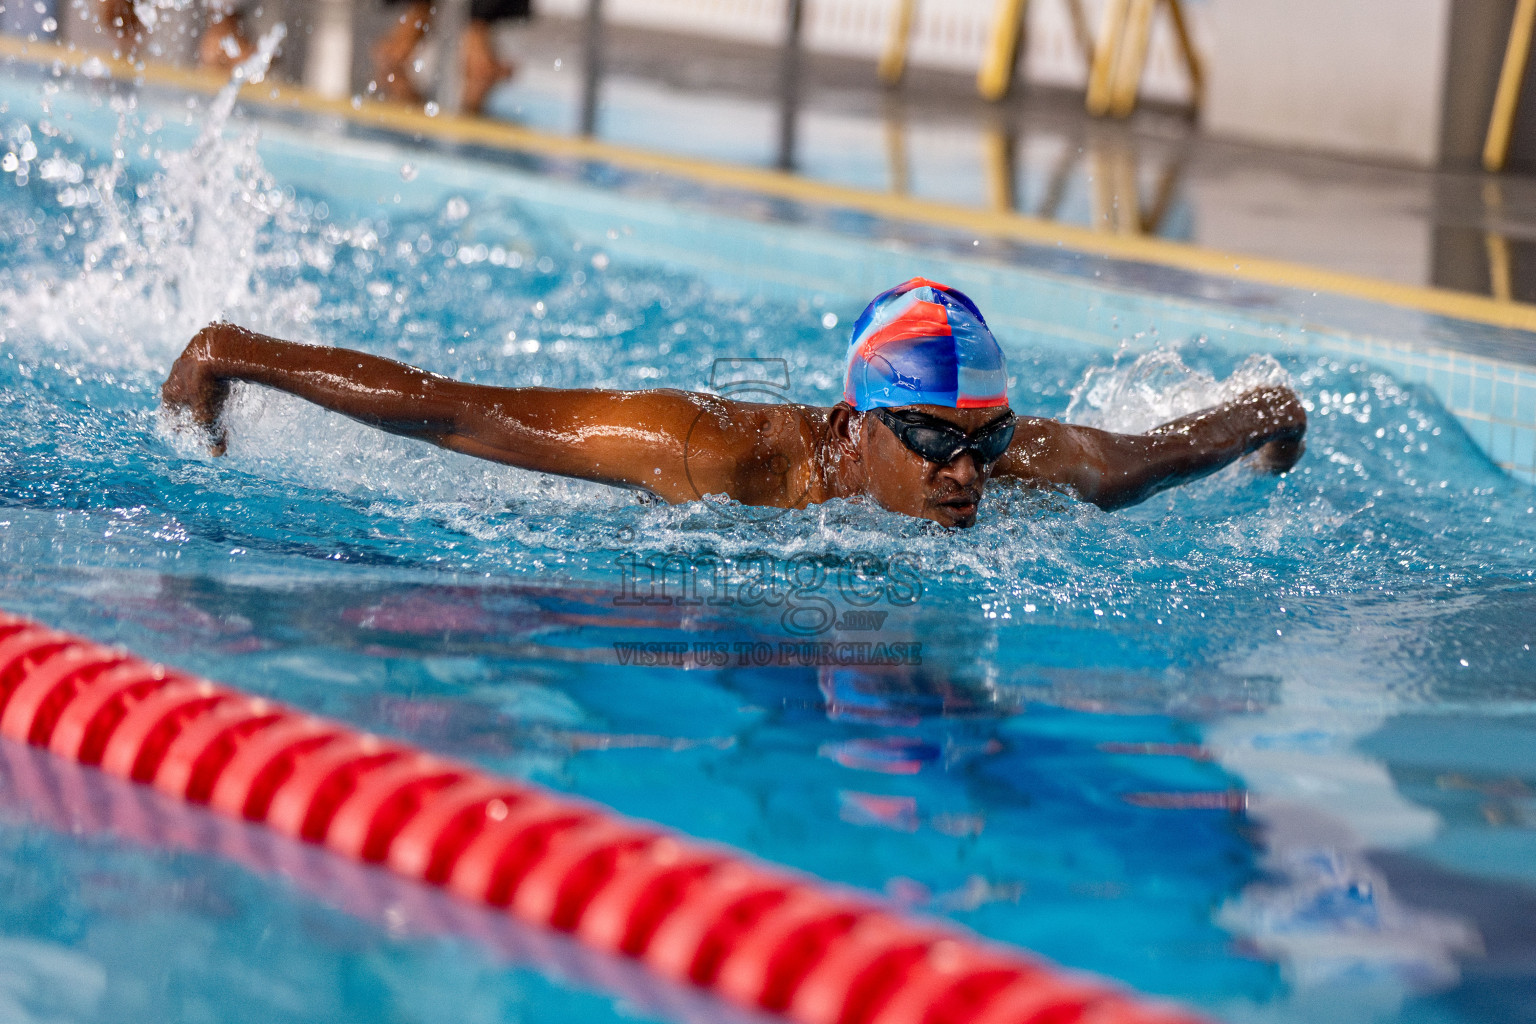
x=431, y=108
x=408, y=171
x=456, y=209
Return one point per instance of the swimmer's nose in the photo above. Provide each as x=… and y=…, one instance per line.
x=963, y=469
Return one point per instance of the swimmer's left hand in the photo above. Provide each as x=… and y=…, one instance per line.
x=193, y=388
x=1283, y=419
x=1277, y=456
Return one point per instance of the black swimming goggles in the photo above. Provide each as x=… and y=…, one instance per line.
x=942, y=442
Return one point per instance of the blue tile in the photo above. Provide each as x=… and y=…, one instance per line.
x=1480, y=431
x=1503, y=398
x=1440, y=384
x=1524, y=444
x=1501, y=443
x=1525, y=399
x=1461, y=389
x=1482, y=392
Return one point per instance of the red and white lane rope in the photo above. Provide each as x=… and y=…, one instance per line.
x=763, y=937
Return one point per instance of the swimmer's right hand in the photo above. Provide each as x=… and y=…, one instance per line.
x=195, y=388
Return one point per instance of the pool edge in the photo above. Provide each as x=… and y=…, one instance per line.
x=1012, y=227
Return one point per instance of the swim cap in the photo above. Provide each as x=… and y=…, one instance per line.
x=924, y=343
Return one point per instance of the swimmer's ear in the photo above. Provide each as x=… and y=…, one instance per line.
x=844, y=426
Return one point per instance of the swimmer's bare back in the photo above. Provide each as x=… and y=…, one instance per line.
x=682, y=445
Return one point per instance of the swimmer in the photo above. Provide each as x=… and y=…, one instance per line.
x=923, y=425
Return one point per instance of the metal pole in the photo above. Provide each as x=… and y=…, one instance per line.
x=1101, y=76
x=789, y=83
x=451, y=21
x=896, y=146
x=328, y=64
x=1502, y=124
x=592, y=72
x=1001, y=158
x=893, y=60
x=1002, y=57
x=1192, y=60
x=1134, y=41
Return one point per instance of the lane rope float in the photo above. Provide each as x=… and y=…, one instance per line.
x=760, y=936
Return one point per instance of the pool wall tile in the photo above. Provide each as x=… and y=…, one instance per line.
x=1461, y=387
x=1482, y=390
x=1523, y=447
x=1480, y=431
x=1503, y=396
x=1501, y=442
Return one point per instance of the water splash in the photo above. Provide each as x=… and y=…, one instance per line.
x=1157, y=387
x=1153, y=609
x=196, y=242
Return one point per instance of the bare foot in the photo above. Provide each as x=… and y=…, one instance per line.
x=482, y=68
x=223, y=44
x=392, y=54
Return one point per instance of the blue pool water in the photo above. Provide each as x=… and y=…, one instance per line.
x=1267, y=746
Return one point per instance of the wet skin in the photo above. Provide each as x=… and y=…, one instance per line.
x=681, y=445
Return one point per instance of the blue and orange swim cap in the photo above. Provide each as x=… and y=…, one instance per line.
x=924, y=343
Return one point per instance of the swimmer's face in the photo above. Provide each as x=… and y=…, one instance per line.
x=903, y=481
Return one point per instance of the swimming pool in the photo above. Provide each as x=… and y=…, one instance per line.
x=1266, y=747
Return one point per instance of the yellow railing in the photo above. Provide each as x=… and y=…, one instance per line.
x=1516, y=55
x=1115, y=58
x=1120, y=55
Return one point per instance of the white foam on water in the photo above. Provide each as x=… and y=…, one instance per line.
x=191, y=245
x=273, y=434
x=1157, y=387
x=205, y=237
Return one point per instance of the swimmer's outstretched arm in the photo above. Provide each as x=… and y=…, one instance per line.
x=1112, y=470
x=676, y=445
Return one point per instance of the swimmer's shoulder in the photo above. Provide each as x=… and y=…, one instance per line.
x=1043, y=452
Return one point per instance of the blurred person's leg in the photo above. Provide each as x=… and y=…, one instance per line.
x=483, y=69
x=392, y=54
x=224, y=42
x=121, y=25
x=166, y=31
